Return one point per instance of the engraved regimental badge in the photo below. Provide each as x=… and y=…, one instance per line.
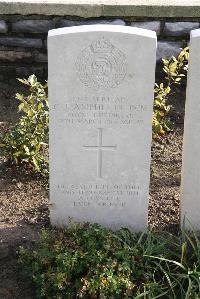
x=101, y=65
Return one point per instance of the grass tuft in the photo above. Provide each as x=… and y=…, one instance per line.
x=90, y=261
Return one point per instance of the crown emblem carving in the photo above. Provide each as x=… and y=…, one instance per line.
x=101, y=46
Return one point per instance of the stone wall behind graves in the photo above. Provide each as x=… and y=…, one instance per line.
x=24, y=27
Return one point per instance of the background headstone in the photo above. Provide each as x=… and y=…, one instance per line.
x=190, y=189
x=101, y=81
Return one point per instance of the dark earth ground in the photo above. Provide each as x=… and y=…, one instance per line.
x=24, y=197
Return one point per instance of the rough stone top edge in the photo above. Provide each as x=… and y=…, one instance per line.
x=110, y=2
x=103, y=8
x=103, y=28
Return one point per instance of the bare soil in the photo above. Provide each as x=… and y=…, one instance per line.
x=24, y=196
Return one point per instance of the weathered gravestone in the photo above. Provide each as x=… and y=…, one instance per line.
x=101, y=81
x=190, y=189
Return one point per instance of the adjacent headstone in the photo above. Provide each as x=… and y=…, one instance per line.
x=101, y=81
x=190, y=189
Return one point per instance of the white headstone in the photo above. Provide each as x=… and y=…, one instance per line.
x=101, y=81
x=190, y=186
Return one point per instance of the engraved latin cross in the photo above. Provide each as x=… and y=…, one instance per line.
x=100, y=148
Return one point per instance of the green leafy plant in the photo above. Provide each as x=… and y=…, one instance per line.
x=175, y=70
x=26, y=142
x=89, y=261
